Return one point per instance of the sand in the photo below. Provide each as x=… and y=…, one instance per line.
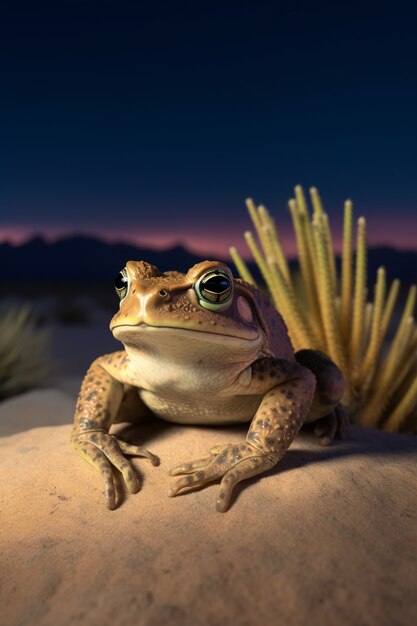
x=327, y=537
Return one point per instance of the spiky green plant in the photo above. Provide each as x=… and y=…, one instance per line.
x=331, y=312
x=23, y=364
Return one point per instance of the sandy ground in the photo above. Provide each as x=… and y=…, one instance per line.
x=327, y=537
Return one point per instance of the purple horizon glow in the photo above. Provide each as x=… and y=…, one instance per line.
x=389, y=231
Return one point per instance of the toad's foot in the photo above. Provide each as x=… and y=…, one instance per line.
x=104, y=452
x=232, y=463
x=332, y=426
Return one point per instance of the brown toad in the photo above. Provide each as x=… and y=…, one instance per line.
x=202, y=348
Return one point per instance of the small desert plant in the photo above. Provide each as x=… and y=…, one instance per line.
x=327, y=311
x=23, y=364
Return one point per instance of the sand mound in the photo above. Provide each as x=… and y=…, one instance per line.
x=327, y=537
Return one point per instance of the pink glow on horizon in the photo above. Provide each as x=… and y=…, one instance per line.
x=400, y=233
x=15, y=235
x=209, y=245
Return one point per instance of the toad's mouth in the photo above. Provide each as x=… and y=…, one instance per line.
x=127, y=333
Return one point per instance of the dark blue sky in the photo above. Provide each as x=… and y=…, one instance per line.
x=155, y=120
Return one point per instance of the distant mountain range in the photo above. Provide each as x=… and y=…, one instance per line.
x=79, y=258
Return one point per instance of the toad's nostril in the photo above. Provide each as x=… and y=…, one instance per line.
x=163, y=293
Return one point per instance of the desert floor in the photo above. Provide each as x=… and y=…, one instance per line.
x=327, y=537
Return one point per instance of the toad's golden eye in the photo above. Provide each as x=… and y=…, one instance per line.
x=122, y=283
x=215, y=290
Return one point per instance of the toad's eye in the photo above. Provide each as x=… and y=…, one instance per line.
x=122, y=283
x=215, y=290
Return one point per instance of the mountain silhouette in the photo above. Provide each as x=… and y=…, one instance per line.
x=81, y=258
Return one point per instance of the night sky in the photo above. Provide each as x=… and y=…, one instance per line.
x=153, y=121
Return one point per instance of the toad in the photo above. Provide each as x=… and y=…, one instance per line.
x=202, y=347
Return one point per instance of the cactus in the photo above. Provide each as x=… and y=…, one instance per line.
x=331, y=313
x=23, y=364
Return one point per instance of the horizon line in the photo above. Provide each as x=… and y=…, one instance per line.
x=54, y=239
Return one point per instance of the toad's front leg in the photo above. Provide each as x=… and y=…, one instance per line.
x=289, y=390
x=98, y=403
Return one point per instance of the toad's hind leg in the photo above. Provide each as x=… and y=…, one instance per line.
x=326, y=411
x=334, y=425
